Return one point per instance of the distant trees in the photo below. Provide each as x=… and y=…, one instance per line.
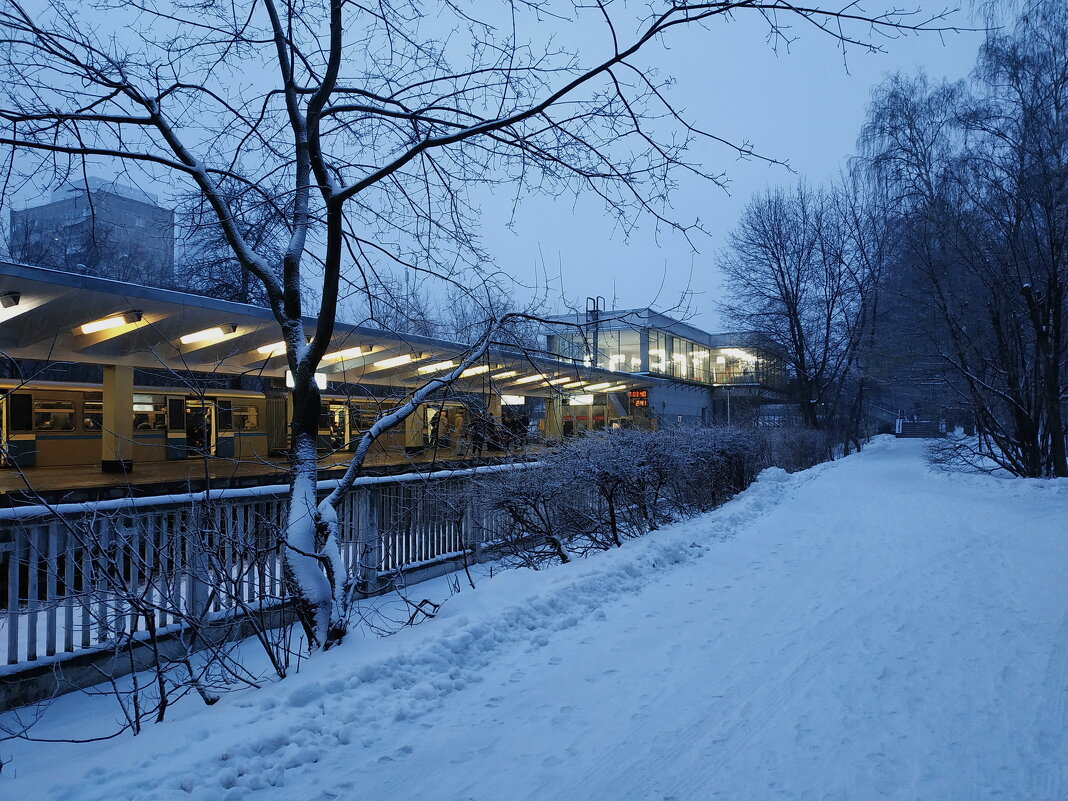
x=803, y=268
x=978, y=173
x=206, y=263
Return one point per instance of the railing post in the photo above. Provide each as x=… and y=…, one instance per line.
x=18, y=534
x=369, y=552
x=196, y=539
x=469, y=534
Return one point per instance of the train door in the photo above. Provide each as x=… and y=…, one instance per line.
x=201, y=420
x=176, y=437
x=334, y=427
x=339, y=425
x=17, y=435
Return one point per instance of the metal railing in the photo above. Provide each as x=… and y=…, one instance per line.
x=82, y=576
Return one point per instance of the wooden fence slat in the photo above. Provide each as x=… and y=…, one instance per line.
x=52, y=588
x=13, y=616
x=70, y=600
x=33, y=567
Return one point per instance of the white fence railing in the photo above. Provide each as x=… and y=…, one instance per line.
x=78, y=576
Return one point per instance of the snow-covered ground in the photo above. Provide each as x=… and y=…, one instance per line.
x=864, y=630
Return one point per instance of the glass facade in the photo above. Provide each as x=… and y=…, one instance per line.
x=616, y=350
x=668, y=355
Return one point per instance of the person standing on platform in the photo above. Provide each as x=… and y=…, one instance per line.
x=459, y=431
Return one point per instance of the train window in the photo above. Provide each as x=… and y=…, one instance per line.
x=93, y=411
x=246, y=418
x=150, y=412
x=53, y=415
x=226, y=414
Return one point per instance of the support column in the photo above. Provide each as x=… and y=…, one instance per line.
x=643, y=350
x=414, y=430
x=493, y=407
x=495, y=423
x=116, y=441
x=554, y=418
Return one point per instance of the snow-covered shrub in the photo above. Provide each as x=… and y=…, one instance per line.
x=711, y=465
x=595, y=491
x=531, y=513
x=795, y=448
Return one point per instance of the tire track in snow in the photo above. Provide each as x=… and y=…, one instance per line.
x=1051, y=781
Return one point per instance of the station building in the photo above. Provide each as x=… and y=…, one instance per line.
x=119, y=378
x=696, y=377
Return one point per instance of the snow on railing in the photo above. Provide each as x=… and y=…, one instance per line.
x=85, y=575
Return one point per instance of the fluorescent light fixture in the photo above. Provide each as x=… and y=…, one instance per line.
x=574, y=384
x=9, y=299
x=320, y=380
x=436, y=368
x=512, y=400
x=113, y=321
x=348, y=353
x=505, y=374
x=209, y=334
x=617, y=388
x=581, y=400
x=556, y=381
x=598, y=387
x=397, y=361
x=274, y=349
x=528, y=378
x=470, y=371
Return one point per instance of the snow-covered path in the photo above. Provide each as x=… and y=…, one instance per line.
x=864, y=630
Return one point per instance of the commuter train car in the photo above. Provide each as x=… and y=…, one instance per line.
x=59, y=424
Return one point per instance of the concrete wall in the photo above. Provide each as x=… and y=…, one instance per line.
x=669, y=403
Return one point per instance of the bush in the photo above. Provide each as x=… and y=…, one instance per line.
x=596, y=491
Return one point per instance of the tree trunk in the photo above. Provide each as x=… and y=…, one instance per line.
x=306, y=567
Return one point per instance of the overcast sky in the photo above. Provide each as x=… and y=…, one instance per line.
x=805, y=106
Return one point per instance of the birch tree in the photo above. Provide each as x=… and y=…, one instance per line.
x=367, y=127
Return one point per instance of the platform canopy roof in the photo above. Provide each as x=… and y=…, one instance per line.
x=58, y=316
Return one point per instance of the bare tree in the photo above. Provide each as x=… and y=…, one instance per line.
x=379, y=121
x=798, y=272
x=206, y=263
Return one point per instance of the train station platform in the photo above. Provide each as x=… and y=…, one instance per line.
x=87, y=483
